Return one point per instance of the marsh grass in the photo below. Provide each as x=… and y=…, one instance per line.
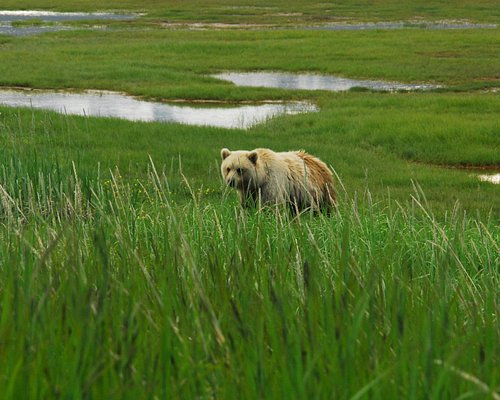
x=126, y=271
x=377, y=142
x=112, y=289
x=174, y=64
x=281, y=12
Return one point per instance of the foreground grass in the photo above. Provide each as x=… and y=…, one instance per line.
x=110, y=289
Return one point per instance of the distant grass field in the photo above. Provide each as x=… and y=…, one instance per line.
x=128, y=270
x=280, y=11
x=173, y=64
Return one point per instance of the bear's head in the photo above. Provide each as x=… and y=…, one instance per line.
x=239, y=169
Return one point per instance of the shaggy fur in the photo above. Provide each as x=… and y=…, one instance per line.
x=263, y=176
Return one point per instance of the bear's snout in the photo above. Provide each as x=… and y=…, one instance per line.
x=231, y=180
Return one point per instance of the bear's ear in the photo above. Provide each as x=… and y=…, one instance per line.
x=224, y=153
x=252, y=156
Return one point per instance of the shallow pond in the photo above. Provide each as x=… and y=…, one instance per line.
x=7, y=17
x=116, y=105
x=51, y=16
x=312, y=82
x=492, y=178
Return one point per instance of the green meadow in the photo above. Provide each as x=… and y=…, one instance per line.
x=279, y=11
x=128, y=270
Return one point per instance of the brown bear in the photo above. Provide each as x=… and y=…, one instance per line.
x=265, y=177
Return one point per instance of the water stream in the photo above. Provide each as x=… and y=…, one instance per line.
x=117, y=105
x=312, y=82
x=8, y=17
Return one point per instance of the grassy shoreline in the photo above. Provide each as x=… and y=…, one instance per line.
x=376, y=141
x=175, y=64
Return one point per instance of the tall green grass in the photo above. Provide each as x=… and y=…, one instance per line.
x=127, y=271
x=377, y=141
x=111, y=289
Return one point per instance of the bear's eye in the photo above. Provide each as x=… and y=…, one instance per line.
x=228, y=170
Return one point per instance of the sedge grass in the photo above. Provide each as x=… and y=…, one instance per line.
x=111, y=289
x=380, y=142
x=175, y=64
x=150, y=282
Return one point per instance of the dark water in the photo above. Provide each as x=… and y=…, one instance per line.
x=312, y=82
x=116, y=105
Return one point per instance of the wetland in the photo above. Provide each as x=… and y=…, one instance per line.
x=303, y=81
x=40, y=21
x=118, y=105
x=128, y=270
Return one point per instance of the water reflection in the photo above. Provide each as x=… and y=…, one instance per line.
x=51, y=16
x=495, y=178
x=7, y=17
x=312, y=82
x=30, y=30
x=116, y=105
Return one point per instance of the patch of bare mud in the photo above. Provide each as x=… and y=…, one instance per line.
x=296, y=14
x=414, y=23
x=339, y=25
x=490, y=173
x=203, y=26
